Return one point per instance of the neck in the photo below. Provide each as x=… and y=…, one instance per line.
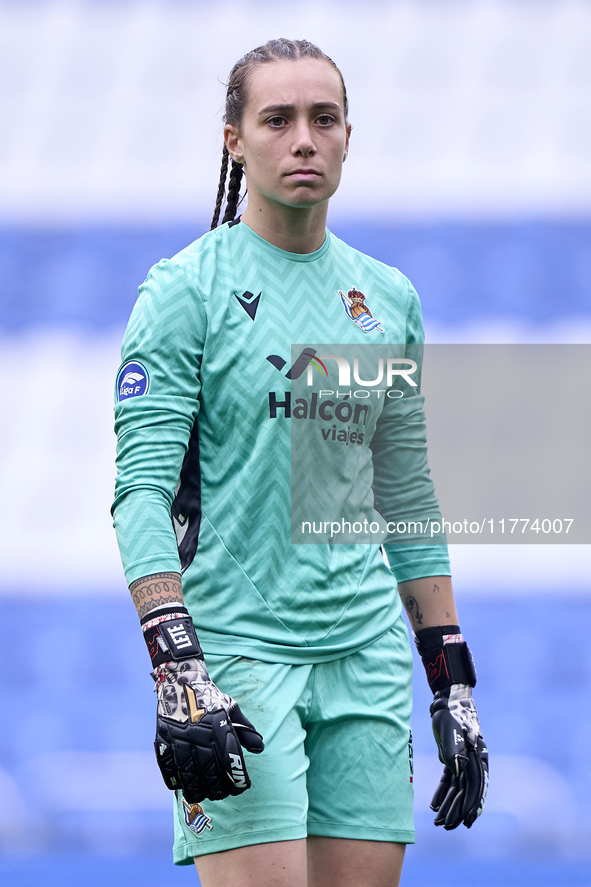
x=294, y=229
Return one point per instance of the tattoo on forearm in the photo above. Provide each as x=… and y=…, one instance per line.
x=412, y=608
x=150, y=591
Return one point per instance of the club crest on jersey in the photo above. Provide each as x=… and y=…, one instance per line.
x=132, y=381
x=357, y=311
x=195, y=817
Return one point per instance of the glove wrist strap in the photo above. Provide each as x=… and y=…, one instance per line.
x=170, y=635
x=446, y=657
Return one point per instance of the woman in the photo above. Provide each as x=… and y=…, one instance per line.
x=308, y=638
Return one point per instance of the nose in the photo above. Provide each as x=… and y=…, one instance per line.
x=303, y=143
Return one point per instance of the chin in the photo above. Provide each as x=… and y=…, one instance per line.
x=307, y=201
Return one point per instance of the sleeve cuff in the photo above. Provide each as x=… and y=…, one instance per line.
x=417, y=561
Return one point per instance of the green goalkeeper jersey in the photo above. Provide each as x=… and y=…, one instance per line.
x=204, y=411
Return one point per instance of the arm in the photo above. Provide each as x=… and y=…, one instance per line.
x=404, y=492
x=154, y=428
x=153, y=591
x=198, y=751
x=428, y=601
x=403, y=489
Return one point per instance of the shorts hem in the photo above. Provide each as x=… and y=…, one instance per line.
x=184, y=852
x=360, y=832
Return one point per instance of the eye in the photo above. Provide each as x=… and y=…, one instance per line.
x=276, y=121
x=325, y=119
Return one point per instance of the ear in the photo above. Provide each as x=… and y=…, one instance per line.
x=233, y=142
x=348, y=130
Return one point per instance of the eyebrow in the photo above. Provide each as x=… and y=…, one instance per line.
x=317, y=106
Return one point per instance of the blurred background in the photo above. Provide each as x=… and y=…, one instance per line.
x=470, y=170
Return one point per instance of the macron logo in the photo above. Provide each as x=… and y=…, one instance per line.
x=249, y=303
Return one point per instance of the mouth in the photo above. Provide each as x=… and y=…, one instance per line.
x=304, y=175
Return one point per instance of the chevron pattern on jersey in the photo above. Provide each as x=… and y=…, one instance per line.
x=207, y=359
x=332, y=463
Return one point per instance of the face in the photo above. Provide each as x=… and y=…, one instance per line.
x=293, y=137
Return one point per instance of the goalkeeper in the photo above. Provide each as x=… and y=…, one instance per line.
x=283, y=671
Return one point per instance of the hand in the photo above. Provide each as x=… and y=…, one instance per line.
x=200, y=734
x=462, y=790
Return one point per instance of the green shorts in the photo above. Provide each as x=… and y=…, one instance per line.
x=338, y=753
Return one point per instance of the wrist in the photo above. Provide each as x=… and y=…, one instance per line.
x=446, y=657
x=170, y=634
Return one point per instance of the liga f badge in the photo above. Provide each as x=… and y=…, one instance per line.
x=357, y=311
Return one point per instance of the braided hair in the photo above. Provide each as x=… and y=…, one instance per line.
x=236, y=97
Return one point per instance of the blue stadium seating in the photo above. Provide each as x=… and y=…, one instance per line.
x=87, y=278
x=83, y=670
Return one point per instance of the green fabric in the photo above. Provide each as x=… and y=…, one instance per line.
x=250, y=590
x=336, y=760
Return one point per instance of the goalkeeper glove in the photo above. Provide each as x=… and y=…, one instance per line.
x=200, y=731
x=451, y=674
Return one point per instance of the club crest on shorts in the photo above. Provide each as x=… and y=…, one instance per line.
x=357, y=310
x=132, y=381
x=195, y=818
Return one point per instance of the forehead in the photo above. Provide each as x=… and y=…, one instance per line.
x=297, y=82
